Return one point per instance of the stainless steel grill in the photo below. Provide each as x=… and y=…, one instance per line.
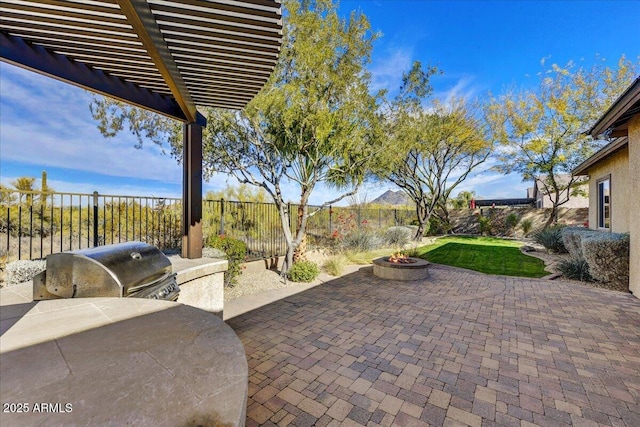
x=132, y=269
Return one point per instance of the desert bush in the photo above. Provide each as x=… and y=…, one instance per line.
x=303, y=271
x=576, y=269
x=397, y=236
x=23, y=270
x=235, y=251
x=511, y=221
x=361, y=240
x=526, y=225
x=551, y=238
x=608, y=257
x=437, y=227
x=572, y=239
x=485, y=225
x=335, y=265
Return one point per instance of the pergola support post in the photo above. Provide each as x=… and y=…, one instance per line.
x=192, y=191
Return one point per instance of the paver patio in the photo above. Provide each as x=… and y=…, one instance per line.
x=459, y=349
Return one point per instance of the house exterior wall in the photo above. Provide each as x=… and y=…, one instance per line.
x=545, y=201
x=617, y=165
x=634, y=212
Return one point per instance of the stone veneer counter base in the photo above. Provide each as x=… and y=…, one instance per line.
x=112, y=361
x=418, y=269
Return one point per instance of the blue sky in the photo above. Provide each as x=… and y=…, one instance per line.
x=480, y=45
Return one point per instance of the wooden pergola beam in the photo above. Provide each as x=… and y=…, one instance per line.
x=16, y=51
x=141, y=18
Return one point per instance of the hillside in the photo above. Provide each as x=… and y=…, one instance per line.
x=394, y=198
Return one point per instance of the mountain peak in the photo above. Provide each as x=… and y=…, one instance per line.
x=391, y=197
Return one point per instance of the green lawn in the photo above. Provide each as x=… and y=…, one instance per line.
x=485, y=254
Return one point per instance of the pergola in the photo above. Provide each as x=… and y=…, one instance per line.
x=162, y=55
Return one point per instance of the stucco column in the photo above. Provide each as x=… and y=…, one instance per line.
x=634, y=213
x=192, y=191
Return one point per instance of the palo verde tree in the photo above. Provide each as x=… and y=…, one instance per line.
x=313, y=122
x=431, y=149
x=542, y=131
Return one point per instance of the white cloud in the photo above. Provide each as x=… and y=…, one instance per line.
x=46, y=122
x=387, y=70
x=464, y=88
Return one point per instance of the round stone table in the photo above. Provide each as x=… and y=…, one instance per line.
x=118, y=361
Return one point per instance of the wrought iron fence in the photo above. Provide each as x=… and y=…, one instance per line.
x=35, y=224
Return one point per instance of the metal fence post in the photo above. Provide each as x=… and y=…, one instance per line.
x=221, y=216
x=95, y=219
x=330, y=218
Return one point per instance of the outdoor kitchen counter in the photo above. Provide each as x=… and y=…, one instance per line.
x=117, y=361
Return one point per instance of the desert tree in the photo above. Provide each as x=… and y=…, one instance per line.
x=431, y=147
x=542, y=130
x=239, y=193
x=24, y=184
x=313, y=122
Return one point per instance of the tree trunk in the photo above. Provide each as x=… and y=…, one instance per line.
x=288, y=262
x=300, y=254
x=291, y=246
x=552, y=217
x=423, y=218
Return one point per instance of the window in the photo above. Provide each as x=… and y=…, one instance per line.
x=604, y=203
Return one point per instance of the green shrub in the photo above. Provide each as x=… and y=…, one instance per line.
x=608, y=257
x=437, y=227
x=526, y=225
x=510, y=221
x=335, y=265
x=576, y=269
x=303, y=271
x=236, y=251
x=551, y=238
x=397, y=236
x=485, y=225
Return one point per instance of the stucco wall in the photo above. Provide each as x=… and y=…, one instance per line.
x=465, y=221
x=621, y=200
x=574, y=201
x=634, y=210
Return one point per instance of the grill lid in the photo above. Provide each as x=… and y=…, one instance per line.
x=119, y=270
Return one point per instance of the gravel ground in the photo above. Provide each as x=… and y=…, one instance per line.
x=253, y=283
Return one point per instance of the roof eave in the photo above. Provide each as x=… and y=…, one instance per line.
x=604, y=152
x=617, y=109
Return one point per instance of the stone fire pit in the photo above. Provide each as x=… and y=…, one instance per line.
x=410, y=269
